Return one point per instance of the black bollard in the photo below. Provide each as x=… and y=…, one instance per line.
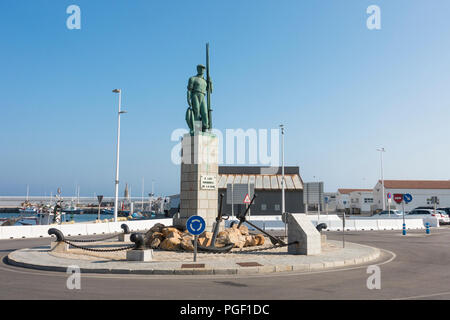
x=125, y=228
x=59, y=235
x=138, y=240
x=321, y=226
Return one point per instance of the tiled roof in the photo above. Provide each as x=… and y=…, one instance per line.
x=416, y=184
x=348, y=191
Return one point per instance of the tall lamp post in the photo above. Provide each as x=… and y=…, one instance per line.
x=116, y=195
x=381, y=150
x=283, y=208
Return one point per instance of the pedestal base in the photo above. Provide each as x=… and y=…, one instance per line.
x=124, y=237
x=59, y=247
x=140, y=255
x=199, y=173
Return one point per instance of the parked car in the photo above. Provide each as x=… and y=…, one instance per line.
x=385, y=213
x=427, y=207
x=447, y=210
x=441, y=215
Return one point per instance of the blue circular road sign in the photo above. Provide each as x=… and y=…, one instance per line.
x=195, y=225
x=407, y=197
x=389, y=195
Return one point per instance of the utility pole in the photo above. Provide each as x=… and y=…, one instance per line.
x=381, y=150
x=283, y=208
x=116, y=195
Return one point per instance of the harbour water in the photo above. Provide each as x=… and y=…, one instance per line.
x=68, y=217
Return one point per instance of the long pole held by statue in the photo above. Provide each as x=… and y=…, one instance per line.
x=208, y=88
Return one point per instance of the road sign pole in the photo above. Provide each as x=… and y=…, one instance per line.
x=195, y=247
x=404, y=224
x=389, y=200
x=195, y=225
x=389, y=207
x=343, y=230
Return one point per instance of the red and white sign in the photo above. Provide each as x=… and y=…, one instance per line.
x=398, y=197
x=247, y=199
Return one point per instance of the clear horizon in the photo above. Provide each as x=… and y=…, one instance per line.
x=341, y=90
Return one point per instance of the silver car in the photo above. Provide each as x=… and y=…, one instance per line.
x=385, y=213
x=422, y=213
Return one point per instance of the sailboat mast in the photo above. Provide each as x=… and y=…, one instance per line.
x=142, y=196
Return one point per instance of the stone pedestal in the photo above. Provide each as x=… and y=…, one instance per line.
x=199, y=174
x=59, y=247
x=324, y=239
x=301, y=229
x=123, y=237
x=140, y=255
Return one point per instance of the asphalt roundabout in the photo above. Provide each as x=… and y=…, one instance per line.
x=238, y=262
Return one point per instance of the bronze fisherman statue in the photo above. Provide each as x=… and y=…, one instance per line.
x=199, y=110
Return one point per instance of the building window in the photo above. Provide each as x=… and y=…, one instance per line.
x=277, y=207
x=263, y=207
x=368, y=200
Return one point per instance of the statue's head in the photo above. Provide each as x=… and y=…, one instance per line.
x=201, y=69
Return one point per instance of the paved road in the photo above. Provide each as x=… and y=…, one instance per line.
x=412, y=267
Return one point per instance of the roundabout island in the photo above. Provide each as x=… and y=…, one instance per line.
x=264, y=259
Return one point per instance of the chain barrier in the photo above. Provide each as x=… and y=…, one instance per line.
x=264, y=249
x=258, y=249
x=94, y=240
x=237, y=252
x=201, y=252
x=100, y=250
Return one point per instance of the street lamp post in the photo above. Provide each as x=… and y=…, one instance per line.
x=283, y=208
x=381, y=150
x=116, y=196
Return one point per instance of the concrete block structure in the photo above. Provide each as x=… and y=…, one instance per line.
x=199, y=172
x=301, y=229
x=140, y=255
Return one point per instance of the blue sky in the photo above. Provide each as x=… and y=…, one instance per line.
x=340, y=89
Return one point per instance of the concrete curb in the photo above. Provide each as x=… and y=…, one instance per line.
x=237, y=270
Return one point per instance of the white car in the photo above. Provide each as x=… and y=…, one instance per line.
x=422, y=213
x=385, y=214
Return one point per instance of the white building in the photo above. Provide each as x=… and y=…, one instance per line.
x=361, y=201
x=330, y=201
x=343, y=201
x=421, y=191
